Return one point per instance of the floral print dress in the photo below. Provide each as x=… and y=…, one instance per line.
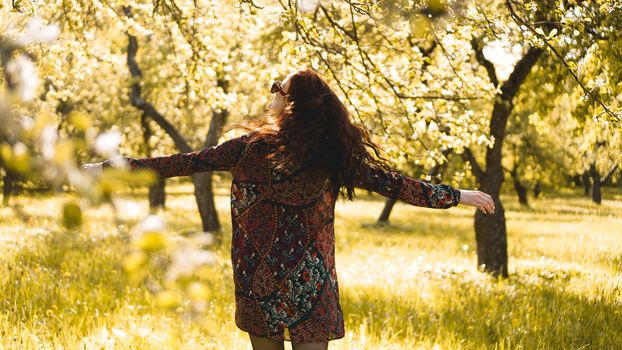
x=283, y=245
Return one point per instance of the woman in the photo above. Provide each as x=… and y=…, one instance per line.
x=287, y=174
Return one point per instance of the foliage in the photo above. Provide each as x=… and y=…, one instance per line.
x=408, y=70
x=409, y=285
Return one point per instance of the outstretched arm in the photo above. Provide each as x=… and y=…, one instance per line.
x=392, y=184
x=220, y=157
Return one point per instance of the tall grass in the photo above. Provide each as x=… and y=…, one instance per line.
x=412, y=284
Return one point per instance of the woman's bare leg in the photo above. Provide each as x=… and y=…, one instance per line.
x=310, y=346
x=261, y=343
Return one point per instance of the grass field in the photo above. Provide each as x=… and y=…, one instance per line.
x=409, y=285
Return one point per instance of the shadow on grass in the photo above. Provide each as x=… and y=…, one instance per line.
x=535, y=316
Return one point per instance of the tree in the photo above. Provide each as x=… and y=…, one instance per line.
x=415, y=111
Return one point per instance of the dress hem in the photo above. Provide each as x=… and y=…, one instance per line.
x=282, y=338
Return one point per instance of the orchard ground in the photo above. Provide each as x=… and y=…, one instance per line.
x=412, y=284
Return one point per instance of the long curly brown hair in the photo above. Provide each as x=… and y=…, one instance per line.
x=314, y=129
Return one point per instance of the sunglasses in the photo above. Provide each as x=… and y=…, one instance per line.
x=277, y=87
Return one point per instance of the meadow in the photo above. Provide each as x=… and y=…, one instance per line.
x=412, y=284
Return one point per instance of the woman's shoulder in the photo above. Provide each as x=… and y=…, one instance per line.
x=258, y=142
x=261, y=137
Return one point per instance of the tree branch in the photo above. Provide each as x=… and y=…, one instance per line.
x=609, y=175
x=437, y=97
x=468, y=156
x=137, y=100
x=519, y=73
x=588, y=93
x=476, y=44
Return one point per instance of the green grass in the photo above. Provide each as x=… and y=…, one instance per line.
x=409, y=285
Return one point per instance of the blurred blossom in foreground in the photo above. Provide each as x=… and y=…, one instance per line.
x=189, y=256
x=107, y=144
x=152, y=223
x=118, y=161
x=127, y=208
x=49, y=136
x=27, y=123
x=22, y=72
x=39, y=32
x=81, y=181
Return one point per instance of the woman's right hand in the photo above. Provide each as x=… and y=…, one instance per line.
x=479, y=199
x=93, y=168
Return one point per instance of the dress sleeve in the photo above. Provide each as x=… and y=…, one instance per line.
x=416, y=192
x=224, y=157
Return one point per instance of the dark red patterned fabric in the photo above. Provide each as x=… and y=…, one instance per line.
x=283, y=245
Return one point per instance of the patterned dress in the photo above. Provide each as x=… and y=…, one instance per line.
x=283, y=246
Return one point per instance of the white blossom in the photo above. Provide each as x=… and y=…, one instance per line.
x=202, y=238
x=49, y=136
x=433, y=128
x=308, y=6
x=22, y=72
x=79, y=180
x=151, y=223
x=20, y=149
x=186, y=260
x=27, y=123
x=107, y=144
x=189, y=255
x=421, y=126
x=127, y=208
x=118, y=161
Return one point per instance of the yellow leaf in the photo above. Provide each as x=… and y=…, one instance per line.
x=436, y=6
x=80, y=120
x=16, y=158
x=134, y=261
x=419, y=26
x=168, y=299
x=151, y=241
x=72, y=215
x=198, y=291
x=63, y=152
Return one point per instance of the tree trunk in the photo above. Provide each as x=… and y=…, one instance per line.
x=157, y=191
x=386, y=211
x=7, y=187
x=203, y=189
x=521, y=190
x=606, y=181
x=157, y=194
x=596, y=183
x=490, y=229
x=586, y=183
x=202, y=181
x=537, y=189
x=490, y=234
x=204, y=197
